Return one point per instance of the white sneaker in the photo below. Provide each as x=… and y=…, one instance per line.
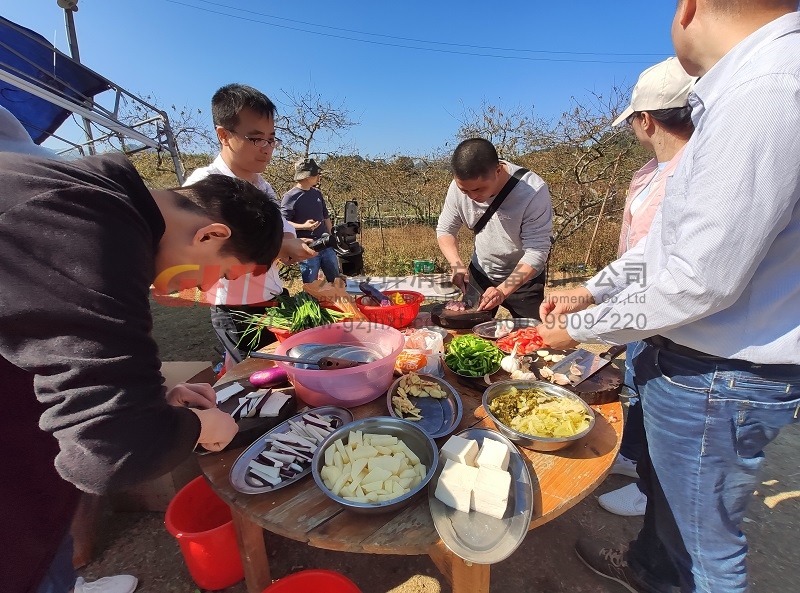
x=628, y=501
x=624, y=467
x=123, y=583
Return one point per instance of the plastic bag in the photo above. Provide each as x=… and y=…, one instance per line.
x=422, y=353
x=335, y=294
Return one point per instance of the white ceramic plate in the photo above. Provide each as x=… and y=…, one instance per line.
x=476, y=537
x=238, y=474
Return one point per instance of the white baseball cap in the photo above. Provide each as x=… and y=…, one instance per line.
x=663, y=86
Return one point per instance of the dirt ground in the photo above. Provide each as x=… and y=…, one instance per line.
x=138, y=543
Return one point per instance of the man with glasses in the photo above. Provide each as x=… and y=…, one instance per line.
x=244, y=119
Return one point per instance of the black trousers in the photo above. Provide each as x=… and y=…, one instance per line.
x=523, y=302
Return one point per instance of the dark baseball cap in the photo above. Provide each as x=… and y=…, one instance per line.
x=306, y=168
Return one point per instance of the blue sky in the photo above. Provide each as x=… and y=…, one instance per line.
x=406, y=97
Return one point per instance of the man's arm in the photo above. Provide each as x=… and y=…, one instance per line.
x=720, y=226
x=79, y=319
x=447, y=227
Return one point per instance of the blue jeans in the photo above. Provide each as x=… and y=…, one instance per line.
x=326, y=259
x=61, y=576
x=707, y=423
x=633, y=440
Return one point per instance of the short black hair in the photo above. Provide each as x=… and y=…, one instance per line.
x=228, y=102
x=254, y=219
x=474, y=158
x=677, y=120
x=737, y=6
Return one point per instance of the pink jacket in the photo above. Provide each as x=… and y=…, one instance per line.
x=635, y=228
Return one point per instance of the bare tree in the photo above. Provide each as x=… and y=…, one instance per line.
x=513, y=132
x=311, y=120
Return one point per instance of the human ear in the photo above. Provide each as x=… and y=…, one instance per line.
x=222, y=135
x=686, y=12
x=216, y=231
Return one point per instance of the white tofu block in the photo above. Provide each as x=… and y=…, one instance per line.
x=493, y=454
x=460, y=450
x=496, y=510
x=455, y=484
x=490, y=492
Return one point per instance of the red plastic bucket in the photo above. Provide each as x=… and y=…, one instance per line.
x=202, y=524
x=313, y=581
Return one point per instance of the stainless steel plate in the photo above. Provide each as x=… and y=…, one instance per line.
x=440, y=417
x=238, y=474
x=476, y=537
x=500, y=328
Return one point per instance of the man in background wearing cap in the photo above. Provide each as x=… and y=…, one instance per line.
x=304, y=208
x=661, y=119
x=717, y=301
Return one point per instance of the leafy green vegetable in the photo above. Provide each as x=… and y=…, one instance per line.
x=473, y=356
x=293, y=314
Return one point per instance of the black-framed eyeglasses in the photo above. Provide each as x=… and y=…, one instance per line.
x=261, y=142
x=631, y=117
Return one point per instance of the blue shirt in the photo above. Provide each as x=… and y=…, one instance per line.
x=720, y=269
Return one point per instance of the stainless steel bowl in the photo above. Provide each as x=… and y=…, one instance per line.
x=415, y=438
x=526, y=440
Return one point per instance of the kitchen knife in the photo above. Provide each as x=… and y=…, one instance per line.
x=588, y=363
x=373, y=292
x=472, y=297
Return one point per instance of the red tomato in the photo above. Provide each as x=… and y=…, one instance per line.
x=528, y=341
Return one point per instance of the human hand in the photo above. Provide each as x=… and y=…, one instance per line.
x=217, y=428
x=491, y=298
x=460, y=277
x=555, y=334
x=563, y=302
x=295, y=250
x=192, y=395
x=309, y=225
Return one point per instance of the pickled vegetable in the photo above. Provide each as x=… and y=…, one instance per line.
x=537, y=413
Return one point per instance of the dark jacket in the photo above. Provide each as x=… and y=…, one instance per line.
x=82, y=396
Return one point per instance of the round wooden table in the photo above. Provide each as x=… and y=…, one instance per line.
x=302, y=512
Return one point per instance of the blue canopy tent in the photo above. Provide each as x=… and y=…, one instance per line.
x=42, y=87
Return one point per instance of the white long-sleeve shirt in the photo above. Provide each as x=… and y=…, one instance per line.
x=720, y=269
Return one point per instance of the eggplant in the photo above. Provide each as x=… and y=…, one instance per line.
x=270, y=377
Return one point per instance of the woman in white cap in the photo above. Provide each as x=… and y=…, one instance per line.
x=660, y=116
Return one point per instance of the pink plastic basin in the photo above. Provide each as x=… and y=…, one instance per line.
x=345, y=387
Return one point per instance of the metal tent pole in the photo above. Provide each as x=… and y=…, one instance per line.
x=72, y=39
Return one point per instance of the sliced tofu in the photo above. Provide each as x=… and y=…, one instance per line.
x=460, y=450
x=490, y=492
x=493, y=454
x=455, y=484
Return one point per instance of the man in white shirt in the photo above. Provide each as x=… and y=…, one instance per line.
x=244, y=119
x=714, y=292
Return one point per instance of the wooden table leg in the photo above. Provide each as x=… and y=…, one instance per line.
x=464, y=577
x=250, y=538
